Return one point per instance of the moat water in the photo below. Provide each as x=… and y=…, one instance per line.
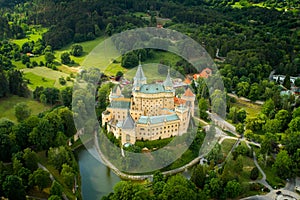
x=97, y=180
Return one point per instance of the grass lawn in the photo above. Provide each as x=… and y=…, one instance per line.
x=88, y=46
x=48, y=74
x=7, y=106
x=36, y=80
x=150, y=71
x=113, y=68
x=36, y=33
x=226, y=146
x=150, y=66
x=251, y=108
x=272, y=178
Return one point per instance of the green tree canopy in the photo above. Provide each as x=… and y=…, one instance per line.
x=130, y=60
x=13, y=188
x=283, y=164
x=22, y=111
x=76, y=50
x=40, y=178
x=49, y=57
x=65, y=58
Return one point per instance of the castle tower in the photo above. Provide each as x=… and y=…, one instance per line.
x=139, y=78
x=115, y=93
x=168, y=82
x=128, y=130
x=190, y=97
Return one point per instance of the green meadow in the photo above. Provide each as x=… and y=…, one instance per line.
x=7, y=106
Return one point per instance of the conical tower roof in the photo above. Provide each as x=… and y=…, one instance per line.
x=128, y=123
x=168, y=81
x=188, y=93
x=140, y=78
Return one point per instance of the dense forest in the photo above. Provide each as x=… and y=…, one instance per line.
x=252, y=44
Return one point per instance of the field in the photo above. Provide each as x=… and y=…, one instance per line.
x=35, y=80
x=150, y=66
x=35, y=34
x=251, y=108
x=43, y=76
x=7, y=106
x=243, y=3
x=87, y=48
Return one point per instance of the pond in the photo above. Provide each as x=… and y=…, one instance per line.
x=97, y=180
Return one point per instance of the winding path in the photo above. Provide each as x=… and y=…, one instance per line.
x=52, y=178
x=264, y=178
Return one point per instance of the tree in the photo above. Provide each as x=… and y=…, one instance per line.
x=233, y=114
x=269, y=143
x=68, y=175
x=30, y=159
x=203, y=106
x=198, y=176
x=233, y=189
x=6, y=147
x=56, y=189
x=22, y=111
x=6, y=126
x=294, y=125
x=177, y=188
x=65, y=58
x=40, y=178
x=287, y=82
x=254, y=93
x=76, y=50
x=109, y=29
x=297, y=82
x=129, y=190
x=67, y=121
x=49, y=57
x=62, y=81
x=272, y=126
x=215, y=185
x=240, y=128
x=42, y=135
x=3, y=84
x=283, y=164
x=268, y=108
x=13, y=188
x=54, y=197
x=296, y=112
x=58, y=156
x=254, y=173
x=157, y=177
x=66, y=96
x=242, y=89
x=241, y=115
x=284, y=117
x=130, y=60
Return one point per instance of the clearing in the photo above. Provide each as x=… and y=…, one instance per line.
x=7, y=106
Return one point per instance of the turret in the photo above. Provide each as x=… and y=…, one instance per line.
x=139, y=78
x=168, y=82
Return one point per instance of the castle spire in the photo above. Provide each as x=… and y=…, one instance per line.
x=168, y=82
x=140, y=78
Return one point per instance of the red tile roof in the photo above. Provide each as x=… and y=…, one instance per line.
x=204, y=74
x=178, y=101
x=189, y=93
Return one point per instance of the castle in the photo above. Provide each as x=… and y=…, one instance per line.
x=152, y=112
